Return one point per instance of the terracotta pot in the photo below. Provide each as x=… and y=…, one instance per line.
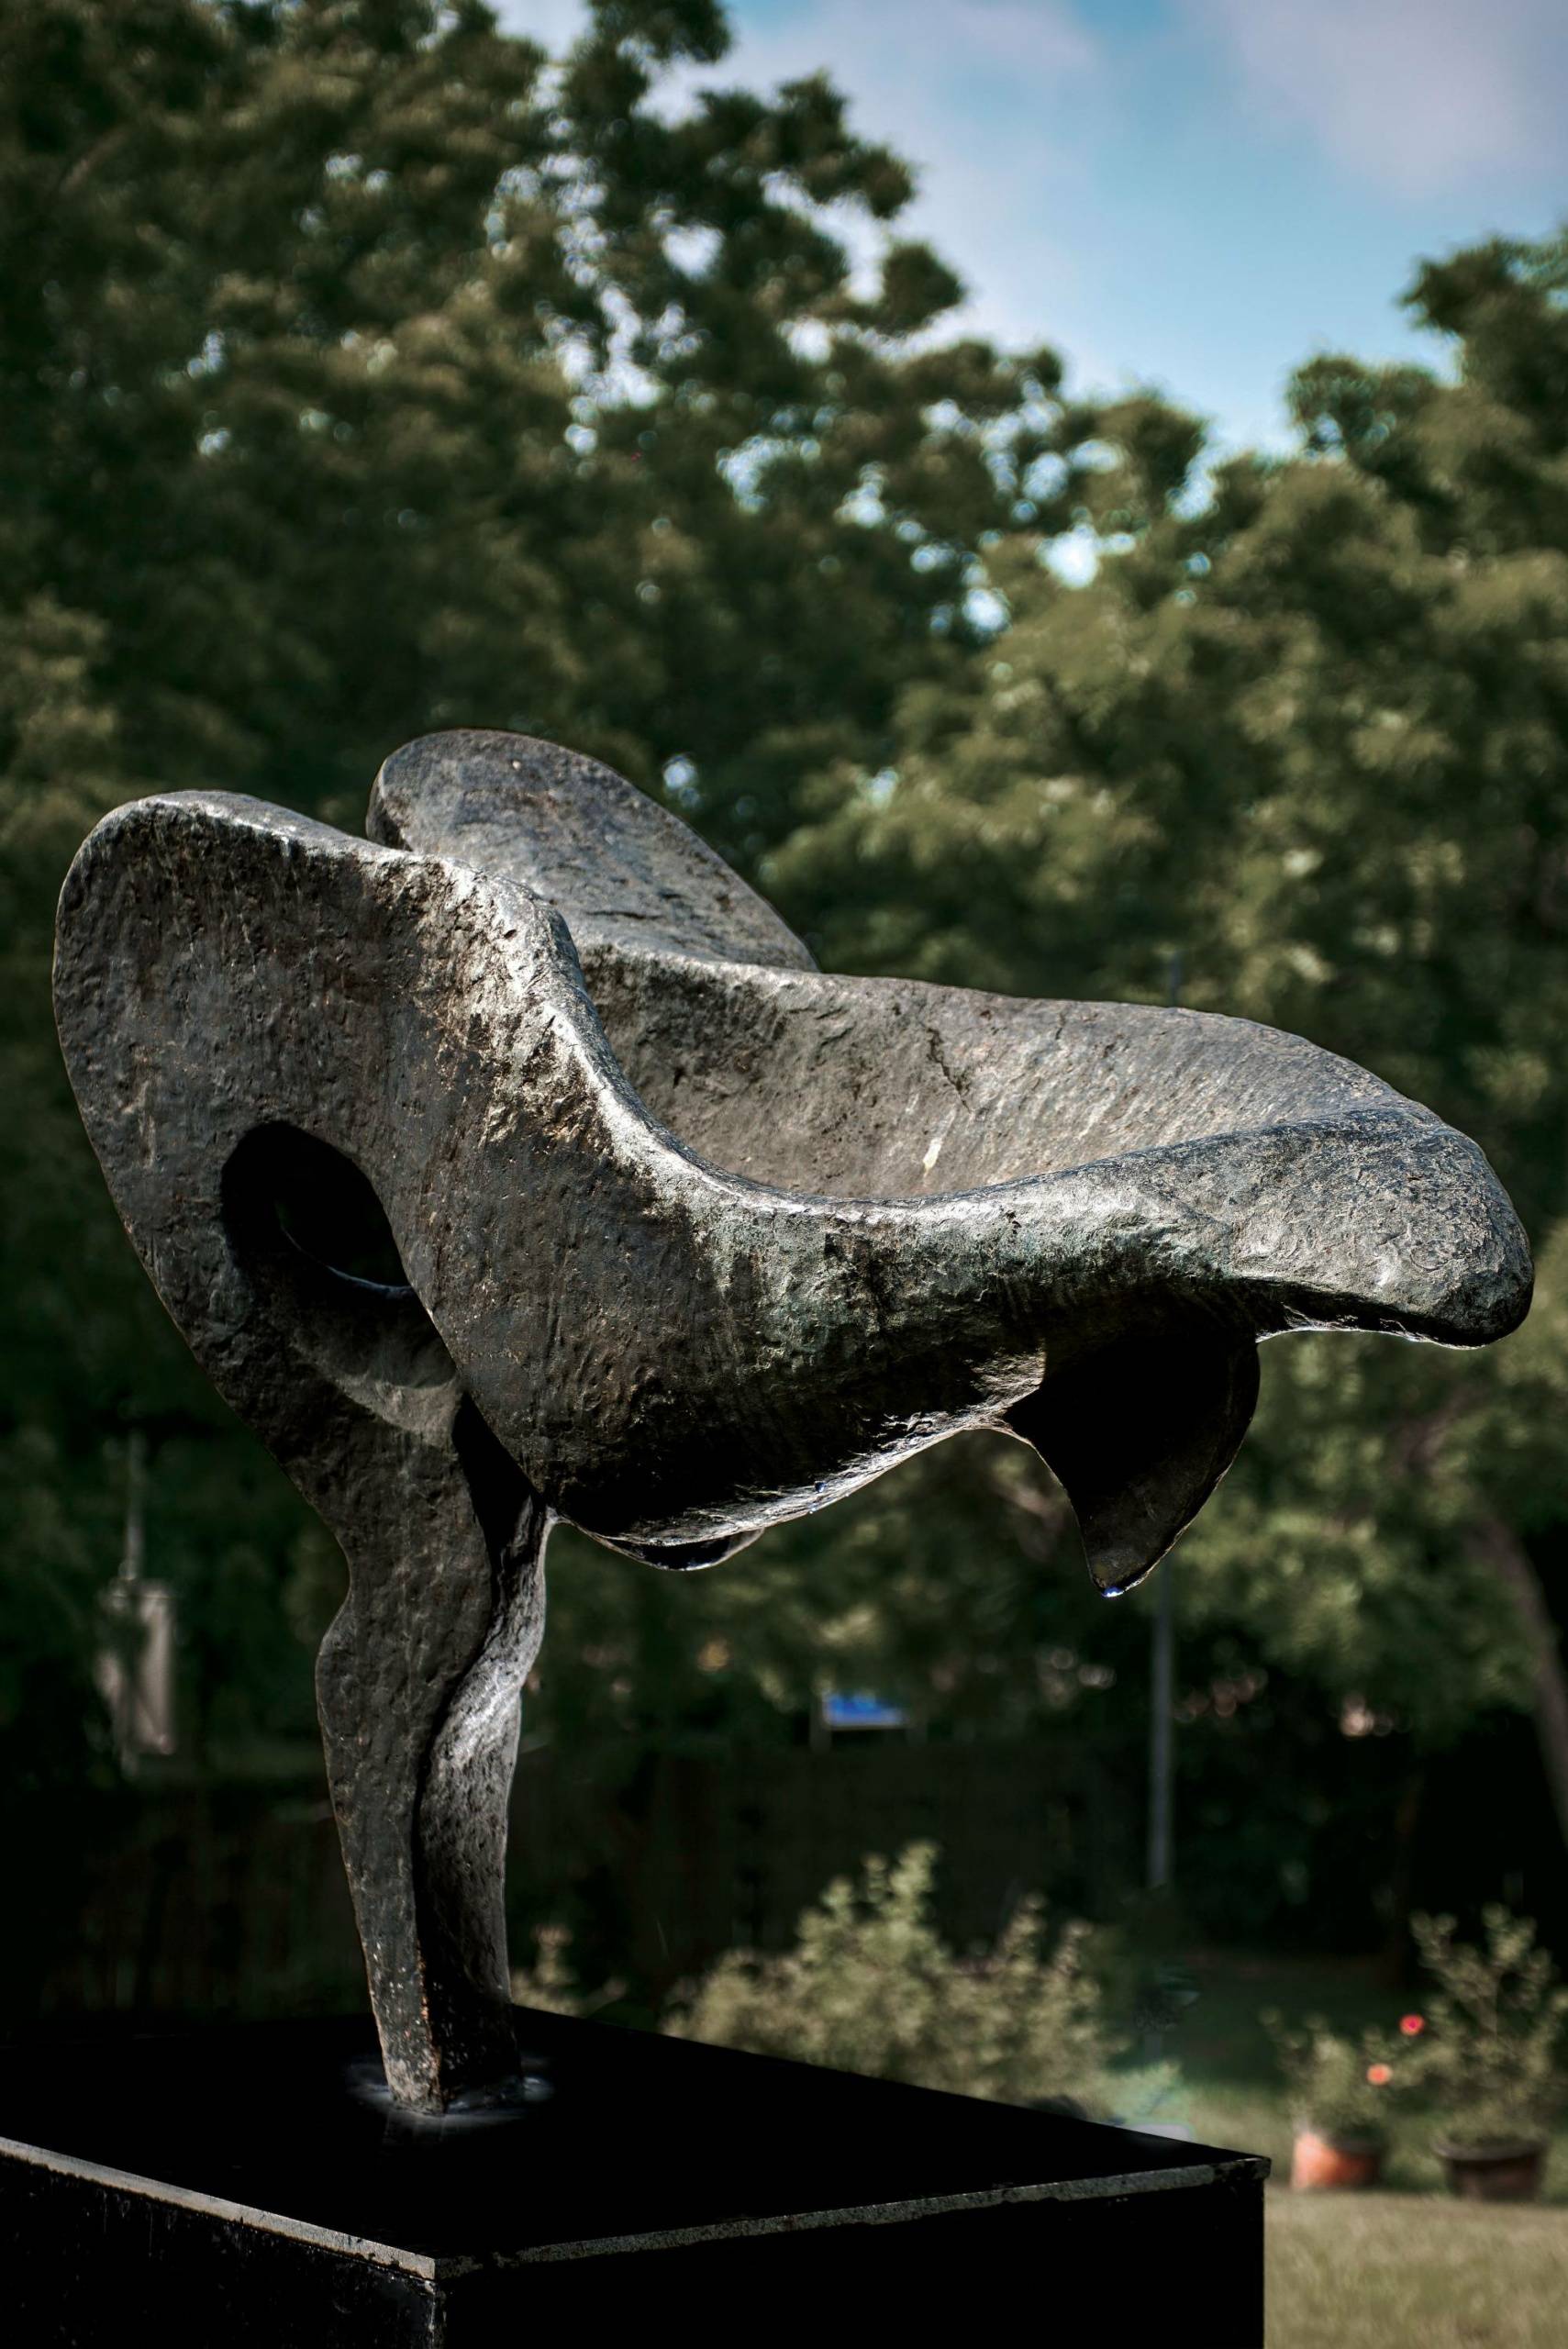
x=1348, y=2164
x=1495, y=2173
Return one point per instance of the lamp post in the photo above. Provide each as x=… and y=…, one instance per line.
x=1162, y=1697
x=1162, y=1666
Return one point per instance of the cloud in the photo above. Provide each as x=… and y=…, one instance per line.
x=1421, y=97
x=980, y=95
x=1192, y=192
x=918, y=42
x=554, y=24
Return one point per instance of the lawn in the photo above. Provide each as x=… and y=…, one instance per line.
x=1406, y=2269
x=1411, y=2271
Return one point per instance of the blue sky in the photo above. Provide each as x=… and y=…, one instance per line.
x=1196, y=193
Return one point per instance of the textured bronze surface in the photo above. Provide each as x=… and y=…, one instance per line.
x=520, y=1164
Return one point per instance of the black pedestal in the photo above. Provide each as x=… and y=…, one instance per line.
x=247, y=2186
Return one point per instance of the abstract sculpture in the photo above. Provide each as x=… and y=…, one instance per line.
x=521, y=1165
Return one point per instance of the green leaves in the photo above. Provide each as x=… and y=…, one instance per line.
x=1305, y=729
x=1493, y=2055
x=665, y=30
x=871, y=1986
x=361, y=378
x=1338, y=2087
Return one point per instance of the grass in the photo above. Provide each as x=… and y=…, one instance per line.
x=1381, y=2271
x=1407, y=2268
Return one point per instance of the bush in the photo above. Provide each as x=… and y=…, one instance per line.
x=549, y=1984
x=870, y=1986
x=1491, y=2051
x=1336, y=2087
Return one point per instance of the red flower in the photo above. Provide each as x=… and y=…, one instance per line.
x=1379, y=2074
x=1412, y=2025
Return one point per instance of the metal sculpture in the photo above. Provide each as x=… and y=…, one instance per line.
x=518, y=1164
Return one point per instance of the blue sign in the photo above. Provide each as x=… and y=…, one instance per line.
x=859, y=1710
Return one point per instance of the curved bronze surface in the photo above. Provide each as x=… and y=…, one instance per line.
x=518, y=1164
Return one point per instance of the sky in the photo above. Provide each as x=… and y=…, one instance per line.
x=1196, y=194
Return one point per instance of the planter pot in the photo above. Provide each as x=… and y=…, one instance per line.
x=1495, y=2173
x=1326, y=2163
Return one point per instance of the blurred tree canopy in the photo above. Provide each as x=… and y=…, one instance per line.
x=365, y=371
x=1304, y=742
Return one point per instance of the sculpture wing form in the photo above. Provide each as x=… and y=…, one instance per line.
x=622, y=870
x=1268, y=1185
x=709, y=1240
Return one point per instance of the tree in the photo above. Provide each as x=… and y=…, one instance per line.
x=1307, y=730
x=365, y=372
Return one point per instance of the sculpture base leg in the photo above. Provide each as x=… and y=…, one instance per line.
x=239, y=2185
x=418, y=1685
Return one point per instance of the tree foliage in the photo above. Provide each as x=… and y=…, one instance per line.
x=366, y=371
x=871, y=1986
x=1492, y=2056
x=1301, y=746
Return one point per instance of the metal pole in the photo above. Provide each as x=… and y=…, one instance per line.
x=133, y=1558
x=1162, y=1668
x=134, y=1668
x=1162, y=1697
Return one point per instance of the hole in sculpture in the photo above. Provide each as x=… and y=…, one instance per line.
x=318, y=1201
x=313, y=1239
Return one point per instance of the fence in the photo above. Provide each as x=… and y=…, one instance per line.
x=232, y=1899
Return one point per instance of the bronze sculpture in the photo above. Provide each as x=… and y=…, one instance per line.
x=520, y=1164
